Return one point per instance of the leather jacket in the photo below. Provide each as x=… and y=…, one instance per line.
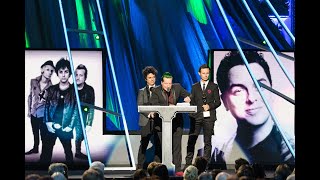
x=70, y=110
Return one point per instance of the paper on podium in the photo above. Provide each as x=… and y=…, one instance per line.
x=183, y=104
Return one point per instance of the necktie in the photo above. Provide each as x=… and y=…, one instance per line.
x=203, y=87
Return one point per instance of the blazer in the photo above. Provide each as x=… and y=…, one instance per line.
x=34, y=101
x=212, y=96
x=143, y=100
x=159, y=96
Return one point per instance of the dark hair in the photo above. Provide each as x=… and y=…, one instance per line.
x=147, y=70
x=204, y=66
x=233, y=58
x=139, y=174
x=58, y=167
x=282, y=172
x=62, y=63
x=240, y=161
x=258, y=170
x=81, y=66
x=161, y=171
x=166, y=75
x=201, y=163
x=245, y=170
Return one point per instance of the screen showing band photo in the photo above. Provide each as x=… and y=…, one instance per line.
x=254, y=124
x=51, y=108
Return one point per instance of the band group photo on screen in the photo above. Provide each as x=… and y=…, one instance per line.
x=53, y=128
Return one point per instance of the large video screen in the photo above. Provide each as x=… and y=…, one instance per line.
x=245, y=126
x=40, y=76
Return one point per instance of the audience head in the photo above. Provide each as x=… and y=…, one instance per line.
x=58, y=167
x=205, y=176
x=190, y=173
x=282, y=172
x=258, y=170
x=32, y=177
x=222, y=176
x=58, y=176
x=91, y=174
x=238, y=162
x=139, y=174
x=151, y=167
x=161, y=171
x=201, y=163
x=245, y=170
x=215, y=172
x=98, y=165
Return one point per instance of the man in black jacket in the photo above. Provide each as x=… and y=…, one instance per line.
x=168, y=94
x=204, y=95
x=86, y=95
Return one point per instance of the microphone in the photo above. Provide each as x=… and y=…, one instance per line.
x=168, y=91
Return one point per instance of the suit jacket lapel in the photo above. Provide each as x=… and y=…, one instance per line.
x=164, y=95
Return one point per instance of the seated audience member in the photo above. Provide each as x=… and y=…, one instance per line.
x=245, y=170
x=91, y=174
x=238, y=162
x=258, y=170
x=215, y=172
x=151, y=167
x=161, y=171
x=58, y=167
x=32, y=177
x=98, y=164
x=139, y=174
x=190, y=173
x=222, y=176
x=282, y=172
x=58, y=176
x=201, y=163
x=205, y=176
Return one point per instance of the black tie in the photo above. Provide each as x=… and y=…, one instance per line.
x=203, y=86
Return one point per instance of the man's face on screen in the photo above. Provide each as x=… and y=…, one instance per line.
x=151, y=79
x=47, y=71
x=63, y=74
x=243, y=98
x=80, y=77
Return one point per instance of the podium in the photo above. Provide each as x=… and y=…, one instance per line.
x=167, y=113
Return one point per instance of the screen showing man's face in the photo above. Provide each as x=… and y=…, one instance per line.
x=63, y=74
x=243, y=99
x=47, y=71
x=80, y=77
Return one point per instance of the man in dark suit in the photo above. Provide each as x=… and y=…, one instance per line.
x=204, y=95
x=148, y=125
x=168, y=94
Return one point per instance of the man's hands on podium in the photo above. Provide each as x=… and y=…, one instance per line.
x=187, y=99
x=206, y=107
x=151, y=115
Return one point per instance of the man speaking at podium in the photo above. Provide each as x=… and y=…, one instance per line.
x=168, y=94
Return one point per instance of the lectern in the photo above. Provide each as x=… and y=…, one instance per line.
x=167, y=113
